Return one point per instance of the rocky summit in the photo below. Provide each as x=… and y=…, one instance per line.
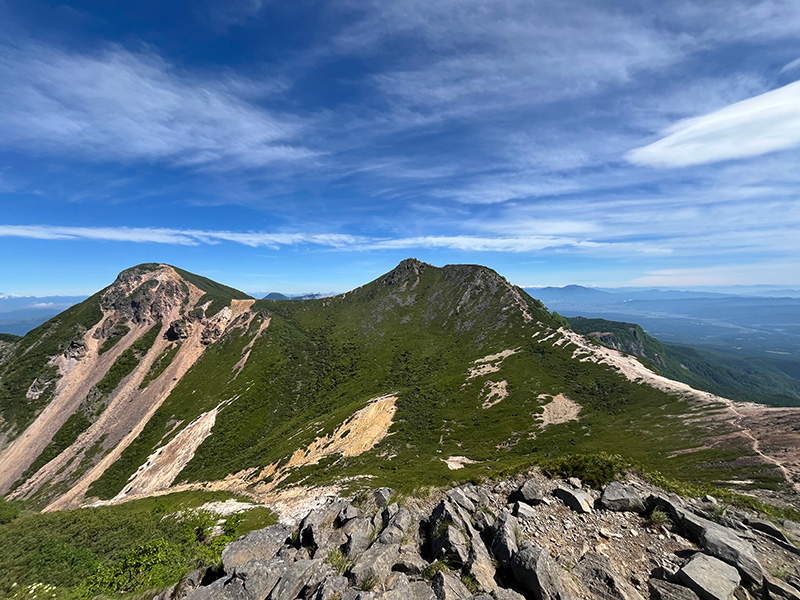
x=167, y=388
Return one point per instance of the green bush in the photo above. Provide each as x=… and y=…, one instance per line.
x=595, y=470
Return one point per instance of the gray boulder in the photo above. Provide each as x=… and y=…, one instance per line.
x=447, y=534
x=448, y=587
x=410, y=562
x=397, y=527
x=262, y=544
x=421, y=591
x=576, y=499
x=256, y=578
x=619, y=497
x=768, y=528
x=538, y=574
x=503, y=534
x=524, y=511
x=506, y=594
x=709, y=577
x=376, y=564
x=381, y=496
x=457, y=496
x=663, y=590
x=597, y=575
x=529, y=492
x=332, y=587
x=358, y=533
x=780, y=590
x=482, y=519
x=726, y=545
x=347, y=513
x=299, y=576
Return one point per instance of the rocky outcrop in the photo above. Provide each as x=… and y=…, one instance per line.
x=375, y=551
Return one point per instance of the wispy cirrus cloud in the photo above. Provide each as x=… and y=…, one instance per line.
x=117, y=105
x=759, y=125
x=196, y=237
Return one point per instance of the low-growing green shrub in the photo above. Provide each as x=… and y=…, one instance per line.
x=595, y=470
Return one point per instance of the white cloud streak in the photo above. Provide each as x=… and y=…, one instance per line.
x=766, y=123
x=127, y=107
x=195, y=237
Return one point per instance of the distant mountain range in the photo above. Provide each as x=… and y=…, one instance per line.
x=767, y=327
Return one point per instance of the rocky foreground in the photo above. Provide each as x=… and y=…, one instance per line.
x=531, y=538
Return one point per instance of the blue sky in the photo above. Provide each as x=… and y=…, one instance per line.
x=310, y=146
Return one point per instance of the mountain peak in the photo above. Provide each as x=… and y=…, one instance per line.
x=410, y=267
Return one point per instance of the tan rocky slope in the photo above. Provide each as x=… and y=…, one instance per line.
x=143, y=299
x=526, y=538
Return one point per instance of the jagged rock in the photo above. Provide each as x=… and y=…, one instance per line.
x=348, y=513
x=791, y=528
x=575, y=482
x=524, y=511
x=411, y=563
x=482, y=520
x=447, y=587
x=663, y=590
x=397, y=527
x=479, y=565
x=780, y=590
x=447, y=534
x=358, y=532
x=709, y=577
x=287, y=553
x=529, y=492
x=400, y=589
x=716, y=540
x=458, y=497
x=451, y=544
x=503, y=534
x=595, y=572
x=726, y=545
x=376, y=562
x=477, y=494
x=179, y=329
x=255, y=578
x=421, y=591
x=538, y=573
x=577, y=500
x=621, y=498
x=262, y=544
x=381, y=496
x=506, y=594
x=768, y=528
x=316, y=525
x=298, y=576
x=76, y=350
x=332, y=587
x=189, y=583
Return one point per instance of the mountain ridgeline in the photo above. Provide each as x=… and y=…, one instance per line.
x=167, y=381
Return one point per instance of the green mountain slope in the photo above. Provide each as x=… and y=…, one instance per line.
x=416, y=332
x=748, y=379
x=170, y=382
